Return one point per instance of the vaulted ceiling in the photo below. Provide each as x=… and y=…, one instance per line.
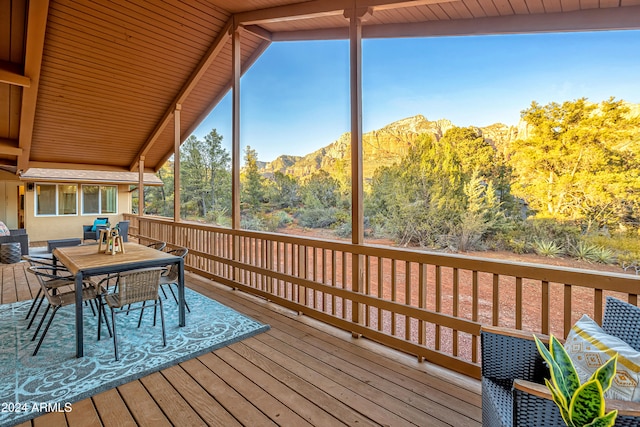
x=94, y=84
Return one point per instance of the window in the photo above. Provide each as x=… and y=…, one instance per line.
x=99, y=199
x=56, y=199
x=67, y=199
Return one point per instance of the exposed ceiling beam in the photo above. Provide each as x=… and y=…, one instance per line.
x=258, y=31
x=10, y=73
x=221, y=94
x=621, y=18
x=34, y=46
x=201, y=69
x=583, y=20
x=341, y=33
x=79, y=166
x=316, y=8
x=9, y=147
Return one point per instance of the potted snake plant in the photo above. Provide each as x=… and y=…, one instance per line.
x=580, y=404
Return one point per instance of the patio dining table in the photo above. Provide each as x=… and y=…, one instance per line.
x=85, y=261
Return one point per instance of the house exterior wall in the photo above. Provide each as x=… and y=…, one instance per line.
x=43, y=228
x=9, y=186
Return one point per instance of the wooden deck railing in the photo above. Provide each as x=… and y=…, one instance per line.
x=428, y=304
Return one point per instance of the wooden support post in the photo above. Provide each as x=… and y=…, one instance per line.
x=235, y=148
x=355, y=16
x=176, y=172
x=140, y=187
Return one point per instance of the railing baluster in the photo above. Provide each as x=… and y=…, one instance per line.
x=518, y=302
x=496, y=300
x=394, y=289
x=567, y=310
x=333, y=281
x=454, y=309
x=344, y=284
x=438, y=295
x=598, y=300
x=324, y=279
x=475, y=347
x=544, y=309
x=407, y=299
x=422, y=303
x=367, y=287
x=380, y=289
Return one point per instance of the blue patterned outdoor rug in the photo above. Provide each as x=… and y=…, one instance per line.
x=55, y=379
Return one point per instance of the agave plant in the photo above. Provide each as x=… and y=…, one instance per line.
x=580, y=404
x=583, y=251
x=547, y=248
x=604, y=255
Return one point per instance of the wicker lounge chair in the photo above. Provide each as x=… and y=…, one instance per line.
x=513, y=373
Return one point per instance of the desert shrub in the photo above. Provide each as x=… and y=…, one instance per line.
x=280, y=219
x=583, y=251
x=317, y=217
x=604, y=255
x=629, y=261
x=627, y=242
x=252, y=222
x=219, y=217
x=515, y=236
x=547, y=248
x=547, y=229
x=343, y=230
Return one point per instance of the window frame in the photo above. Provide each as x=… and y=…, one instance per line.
x=56, y=186
x=100, y=194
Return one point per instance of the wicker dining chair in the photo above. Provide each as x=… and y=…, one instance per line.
x=513, y=373
x=170, y=276
x=135, y=286
x=60, y=272
x=157, y=245
x=57, y=297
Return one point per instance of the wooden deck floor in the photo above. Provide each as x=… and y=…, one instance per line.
x=299, y=373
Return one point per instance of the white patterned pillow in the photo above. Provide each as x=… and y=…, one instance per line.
x=590, y=347
x=4, y=230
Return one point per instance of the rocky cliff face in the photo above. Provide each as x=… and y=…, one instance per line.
x=387, y=145
x=381, y=147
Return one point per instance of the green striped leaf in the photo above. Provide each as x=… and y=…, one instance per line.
x=561, y=357
x=606, y=421
x=556, y=373
x=560, y=402
x=587, y=403
x=605, y=373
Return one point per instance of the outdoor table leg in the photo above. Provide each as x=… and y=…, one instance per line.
x=79, y=325
x=181, y=308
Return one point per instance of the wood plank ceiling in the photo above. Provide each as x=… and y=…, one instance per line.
x=93, y=84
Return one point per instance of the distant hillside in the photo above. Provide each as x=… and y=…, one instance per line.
x=381, y=147
x=387, y=145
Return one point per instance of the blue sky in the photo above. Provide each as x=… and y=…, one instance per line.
x=295, y=98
